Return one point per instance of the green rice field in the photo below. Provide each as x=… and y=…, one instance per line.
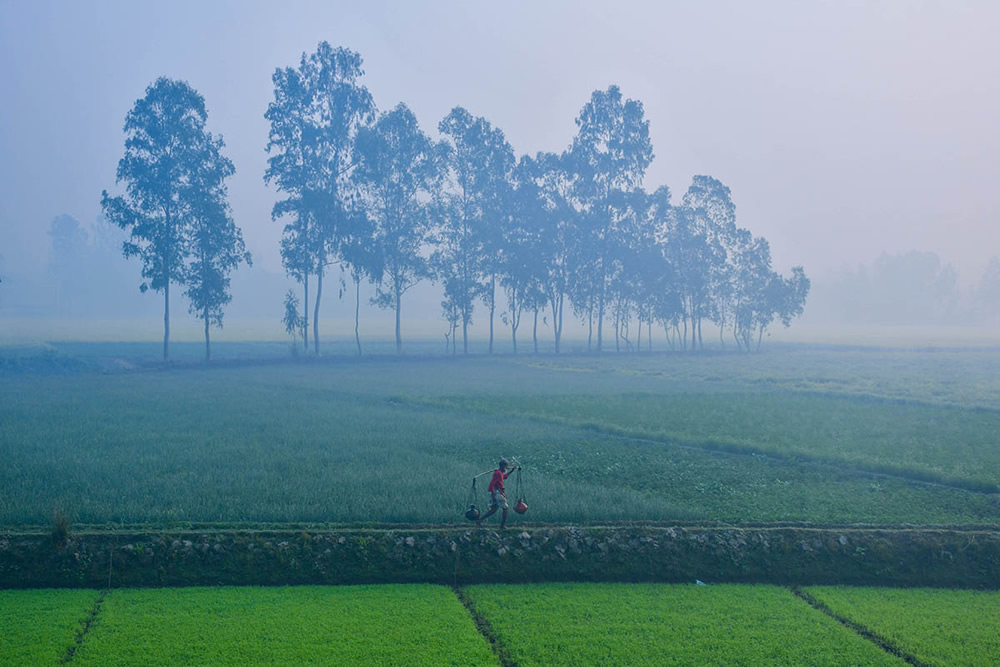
x=652, y=624
x=40, y=627
x=723, y=437
x=538, y=624
x=938, y=627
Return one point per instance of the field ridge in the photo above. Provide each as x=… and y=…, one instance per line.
x=883, y=643
x=732, y=447
x=485, y=629
x=81, y=635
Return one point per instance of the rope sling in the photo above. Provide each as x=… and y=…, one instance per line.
x=520, y=506
x=473, y=512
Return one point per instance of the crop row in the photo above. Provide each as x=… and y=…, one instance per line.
x=541, y=624
x=928, y=443
x=392, y=442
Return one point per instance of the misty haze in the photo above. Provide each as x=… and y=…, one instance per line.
x=569, y=332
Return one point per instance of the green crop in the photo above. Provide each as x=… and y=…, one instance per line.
x=660, y=624
x=937, y=627
x=350, y=625
x=929, y=443
x=665, y=437
x=40, y=627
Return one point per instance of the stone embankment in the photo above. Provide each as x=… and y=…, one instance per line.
x=457, y=555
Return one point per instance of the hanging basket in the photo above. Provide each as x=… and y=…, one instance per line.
x=472, y=513
x=520, y=506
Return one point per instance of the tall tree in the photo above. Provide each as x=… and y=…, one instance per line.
x=557, y=226
x=396, y=175
x=688, y=250
x=611, y=152
x=315, y=116
x=714, y=215
x=215, y=242
x=522, y=256
x=166, y=146
x=477, y=163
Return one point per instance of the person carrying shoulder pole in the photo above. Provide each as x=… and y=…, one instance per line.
x=498, y=495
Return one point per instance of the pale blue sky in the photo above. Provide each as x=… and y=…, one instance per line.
x=844, y=129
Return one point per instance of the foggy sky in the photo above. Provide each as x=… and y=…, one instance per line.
x=844, y=129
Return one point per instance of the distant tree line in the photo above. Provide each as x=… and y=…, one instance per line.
x=910, y=289
x=371, y=194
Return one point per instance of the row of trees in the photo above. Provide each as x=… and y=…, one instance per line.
x=372, y=195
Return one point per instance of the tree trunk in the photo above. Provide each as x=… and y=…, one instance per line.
x=208, y=345
x=465, y=324
x=166, y=319
x=399, y=299
x=618, y=332
x=534, y=330
x=590, y=326
x=557, y=321
x=319, y=293
x=760, y=336
x=305, y=316
x=600, y=321
x=493, y=307
x=514, y=321
x=357, y=312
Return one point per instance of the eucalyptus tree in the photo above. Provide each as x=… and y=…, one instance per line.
x=611, y=152
x=456, y=255
x=697, y=235
x=396, y=175
x=317, y=111
x=523, y=264
x=474, y=198
x=715, y=214
x=752, y=277
x=215, y=243
x=628, y=234
x=653, y=274
x=558, y=229
x=494, y=186
x=169, y=154
x=688, y=249
x=761, y=294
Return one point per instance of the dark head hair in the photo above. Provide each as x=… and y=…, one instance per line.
x=504, y=463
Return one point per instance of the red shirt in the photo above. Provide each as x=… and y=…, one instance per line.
x=496, y=484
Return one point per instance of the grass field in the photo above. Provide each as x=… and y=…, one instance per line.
x=539, y=624
x=658, y=624
x=938, y=627
x=926, y=442
x=40, y=627
x=351, y=625
x=658, y=437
